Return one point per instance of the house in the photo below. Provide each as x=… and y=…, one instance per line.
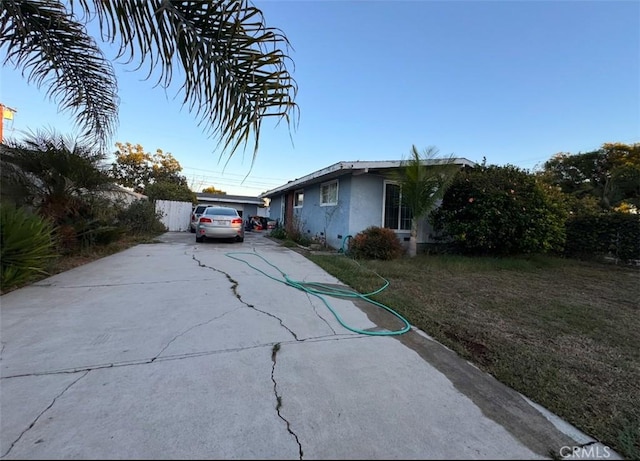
x=345, y=198
x=122, y=195
x=246, y=206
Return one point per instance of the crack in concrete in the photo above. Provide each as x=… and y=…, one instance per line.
x=234, y=288
x=2, y=346
x=189, y=355
x=318, y=314
x=49, y=285
x=188, y=330
x=274, y=351
x=42, y=413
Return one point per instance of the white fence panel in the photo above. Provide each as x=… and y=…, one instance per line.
x=175, y=215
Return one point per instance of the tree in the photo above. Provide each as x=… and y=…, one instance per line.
x=132, y=167
x=138, y=169
x=611, y=175
x=423, y=180
x=233, y=67
x=213, y=190
x=499, y=210
x=166, y=190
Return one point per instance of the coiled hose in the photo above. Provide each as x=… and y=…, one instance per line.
x=320, y=290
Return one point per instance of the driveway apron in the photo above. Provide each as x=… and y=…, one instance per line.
x=174, y=350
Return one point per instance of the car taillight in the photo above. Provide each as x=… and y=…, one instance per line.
x=193, y=218
x=205, y=220
x=236, y=221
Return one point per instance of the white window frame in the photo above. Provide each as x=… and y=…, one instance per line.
x=384, y=205
x=296, y=202
x=328, y=184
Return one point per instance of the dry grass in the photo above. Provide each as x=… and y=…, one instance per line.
x=562, y=332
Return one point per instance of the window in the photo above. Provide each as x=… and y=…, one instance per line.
x=397, y=216
x=298, y=198
x=329, y=193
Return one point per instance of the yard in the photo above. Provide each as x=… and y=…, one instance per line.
x=564, y=333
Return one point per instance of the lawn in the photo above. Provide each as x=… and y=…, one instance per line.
x=564, y=333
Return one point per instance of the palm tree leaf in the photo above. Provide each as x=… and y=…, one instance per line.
x=54, y=50
x=234, y=67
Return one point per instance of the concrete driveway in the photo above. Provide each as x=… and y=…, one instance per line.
x=173, y=350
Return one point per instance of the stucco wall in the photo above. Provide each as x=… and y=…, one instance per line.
x=366, y=196
x=276, y=209
x=360, y=205
x=329, y=221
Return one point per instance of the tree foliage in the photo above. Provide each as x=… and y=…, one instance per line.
x=610, y=175
x=495, y=210
x=138, y=169
x=166, y=190
x=232, y=67
x=213, y=190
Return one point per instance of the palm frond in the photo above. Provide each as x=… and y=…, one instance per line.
x=423, y=178
x=54, y=50
x=234, y=66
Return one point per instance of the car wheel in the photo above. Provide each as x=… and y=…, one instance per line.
x=240, y=239
x=199, y=239
x=192, y=230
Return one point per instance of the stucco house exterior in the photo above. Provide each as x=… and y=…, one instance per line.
x=345, y=198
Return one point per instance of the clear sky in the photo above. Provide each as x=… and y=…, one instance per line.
x=513, y=81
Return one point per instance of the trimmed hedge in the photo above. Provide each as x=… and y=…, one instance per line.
x=612, y=234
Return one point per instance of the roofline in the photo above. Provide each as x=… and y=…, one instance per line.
x=355, y=166
x=229, y=199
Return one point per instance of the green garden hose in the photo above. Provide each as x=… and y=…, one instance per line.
x=320, y=290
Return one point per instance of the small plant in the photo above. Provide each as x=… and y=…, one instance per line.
x=278, y=232
x=26, y=246
x=141, y=218
x=376, y=243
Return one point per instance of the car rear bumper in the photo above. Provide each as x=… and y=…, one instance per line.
x=220, y=232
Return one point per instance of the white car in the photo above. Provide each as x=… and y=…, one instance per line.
x=195, y=215
x=217, y=222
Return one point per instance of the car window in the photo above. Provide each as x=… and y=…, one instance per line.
x=199, y=209
x=221, y=211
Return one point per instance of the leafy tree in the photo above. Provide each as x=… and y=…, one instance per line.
x=132, y=167
x=166, y=190
x=138, y=169
x=495, y=210
x=423, y=179
x=611, y=175
x=232, y=66
x=213, y=190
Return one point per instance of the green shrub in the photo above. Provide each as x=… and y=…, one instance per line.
x=611, y=234
x=26, y=246
x=278, y=233
x=375, y=243
x=499, y=211
x=97, y=232
x=141, y=218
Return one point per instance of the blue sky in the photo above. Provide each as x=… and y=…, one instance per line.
x=512, y=81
